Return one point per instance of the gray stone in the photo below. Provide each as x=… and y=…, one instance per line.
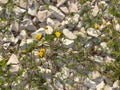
x=27, y=23
x=56, y=12
x=32, y=7
x=89, y=83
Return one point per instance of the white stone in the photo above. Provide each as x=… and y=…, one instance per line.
x=68, y=43
x=1, y=58
x=23, y=34
x=95, y=10
x=69, y=34
x=18, y=10
x=73, y=7
x=103, y=45
x=80, y=24
x=56, y=12
x=100, y=86
x=3, y=1
x=109, y=59
x=43, y=15
x=98, y=59
x=64, y=9
x=117, y=27
x=116, y=84
x=49, y=30
x=107, y=87
x=23, y=4
x=14, y=60
x=93, y=32
x=94, y=75
x=50, y=22
x=33, y=6
x=76, y=18
x=60, y=2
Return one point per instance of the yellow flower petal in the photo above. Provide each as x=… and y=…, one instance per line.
x=42, y=50
x=57, y=34
x=41, y=54
x=38, y=36
x=97, y=26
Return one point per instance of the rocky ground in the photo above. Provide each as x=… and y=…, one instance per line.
x=59, y=44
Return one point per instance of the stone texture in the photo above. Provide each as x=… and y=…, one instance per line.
x=69, y=34
x=56, y=12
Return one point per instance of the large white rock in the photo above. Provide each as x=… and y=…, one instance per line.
x=68, y=43
x=93, y=32
x=69, y=34
x=15, y=63
x=100, y=86
x=43, y=15
x=56, y=12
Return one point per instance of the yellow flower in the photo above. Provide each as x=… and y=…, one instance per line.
x=24, y=51
x=41, y=54
x=57, y=34
x=38, y=36
x=42, y=50
x=97, y=26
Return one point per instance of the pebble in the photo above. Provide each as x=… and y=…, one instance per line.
x=69, y=34
x=95, y=10
x=93, y=32
x=56, y=12
x=32, y=7
x=14, y=60
x=60, y=2
x=100, y=86
x=68, y=43
x=43, y=15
